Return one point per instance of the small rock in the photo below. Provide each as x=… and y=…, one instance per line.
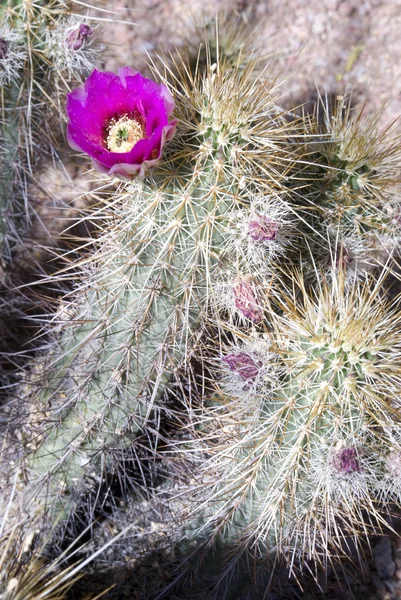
x=398, y=573
x=383, y=557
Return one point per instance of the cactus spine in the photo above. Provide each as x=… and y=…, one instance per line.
x=25, y=574
x=355, y=194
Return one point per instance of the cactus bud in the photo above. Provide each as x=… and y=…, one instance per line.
x=246, y=301
x=263, y=229
x=346, y=461
x=77, y=37
x=243, y=364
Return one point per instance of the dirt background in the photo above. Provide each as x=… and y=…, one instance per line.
x=331, y=44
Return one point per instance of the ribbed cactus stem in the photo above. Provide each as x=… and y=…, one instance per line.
x=36, y=67
x=135, y=321
x=355, y=193
x=9, y=162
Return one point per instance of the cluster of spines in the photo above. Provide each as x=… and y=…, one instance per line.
x=354, y=200
x=27, y=570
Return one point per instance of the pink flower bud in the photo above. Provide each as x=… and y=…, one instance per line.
x=76, y=38
x=246, y=301
x=346, y=461
x=262, y=229
x=243, y=364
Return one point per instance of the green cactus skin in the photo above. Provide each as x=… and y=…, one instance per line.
x=144, y=286
x=9, y=156
x=133, y=324
x=304, y=442
x=6, y=159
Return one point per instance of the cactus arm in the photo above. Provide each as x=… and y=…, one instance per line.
x=145, y=285
x=145, y=302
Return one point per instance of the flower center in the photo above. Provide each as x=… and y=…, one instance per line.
x=123, y=134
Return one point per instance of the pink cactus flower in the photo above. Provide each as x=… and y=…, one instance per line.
x=262, y=229
x=76, y=38
x=243, y=364
x=346, y=461
x=246, y=301
x=121, y=121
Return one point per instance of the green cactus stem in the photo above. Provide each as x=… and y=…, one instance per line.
x=356, y=185
x=36, y=68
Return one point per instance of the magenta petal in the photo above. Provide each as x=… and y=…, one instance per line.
x=125, y=72
x=168, y=100
x=106, y=96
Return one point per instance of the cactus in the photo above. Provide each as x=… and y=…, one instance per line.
x=301, y=431
x=300, y=438
x=40, y=56
x=144, y=285
x=354, y=191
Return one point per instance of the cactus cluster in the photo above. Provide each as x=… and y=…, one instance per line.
x=43, y=50
x=149, y=276
x=244, y=262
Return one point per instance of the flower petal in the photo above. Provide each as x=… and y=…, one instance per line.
x=106, y=96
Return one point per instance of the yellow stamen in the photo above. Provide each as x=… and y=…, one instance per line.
x=124, y=134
